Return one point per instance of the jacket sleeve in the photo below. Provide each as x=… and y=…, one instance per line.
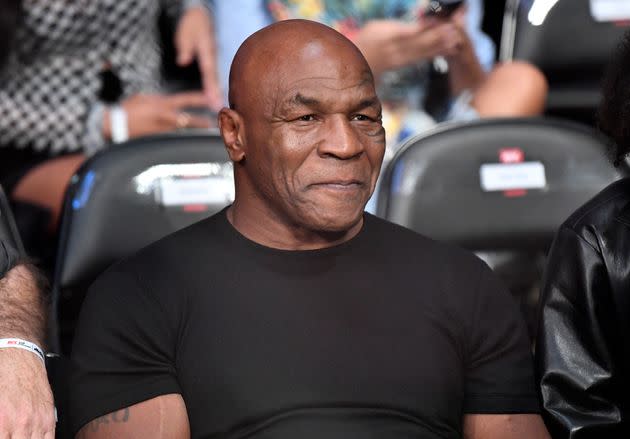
x=576, y=354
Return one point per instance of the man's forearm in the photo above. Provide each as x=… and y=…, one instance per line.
x=23, y=306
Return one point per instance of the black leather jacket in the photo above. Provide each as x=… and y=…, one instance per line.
x=583, y=347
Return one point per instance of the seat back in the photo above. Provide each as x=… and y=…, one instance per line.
x=129, y=196
x=498, y=187
x=565, y=40
x=435, y=185
x=8, y=230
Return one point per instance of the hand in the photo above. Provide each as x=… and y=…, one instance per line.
x=465, y=71
x=465, y=54
x=391, y=44
x=152, y=114
x=467, y=50
x=194, y=38
x=458, y=17
x=26, y=402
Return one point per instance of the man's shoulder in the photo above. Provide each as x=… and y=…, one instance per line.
x=420, y=250
x=454, y=278
x=199, y=241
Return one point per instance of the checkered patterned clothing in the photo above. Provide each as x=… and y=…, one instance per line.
x=49, y=88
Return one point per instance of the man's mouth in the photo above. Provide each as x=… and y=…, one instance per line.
x=340, y=185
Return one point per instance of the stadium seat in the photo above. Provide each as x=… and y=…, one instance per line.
x=128, y=196
x=568, y=44
x=8, y=229
x=497, y=187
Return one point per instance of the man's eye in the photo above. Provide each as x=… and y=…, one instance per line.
x=307, y=118
x=361, y=117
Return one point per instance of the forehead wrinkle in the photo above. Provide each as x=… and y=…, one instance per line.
x=300, y=94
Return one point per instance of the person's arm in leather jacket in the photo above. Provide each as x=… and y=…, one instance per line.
x=577, y=350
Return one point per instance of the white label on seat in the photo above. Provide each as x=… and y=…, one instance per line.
x=610, y=10
x=187, y=191
x=509, y=176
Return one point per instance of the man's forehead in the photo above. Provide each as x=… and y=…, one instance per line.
x=280, y=56
x=324, y=91
x=317, y=59
x=298, y=90
x=315, y=82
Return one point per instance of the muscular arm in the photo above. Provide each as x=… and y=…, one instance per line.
x=23, y=310
x=504, y=427
x=26, y=402
x=161, y=417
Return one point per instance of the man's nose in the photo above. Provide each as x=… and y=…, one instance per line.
x=341, y=139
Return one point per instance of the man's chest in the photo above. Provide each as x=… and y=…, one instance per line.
x=254, y=352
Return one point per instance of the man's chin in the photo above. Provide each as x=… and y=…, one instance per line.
x=337, y=222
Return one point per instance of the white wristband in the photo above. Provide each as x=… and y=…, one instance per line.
x=23, y=344
x=118, y=123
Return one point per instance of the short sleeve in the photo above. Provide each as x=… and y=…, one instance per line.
x=499, y=375
x=123, y=352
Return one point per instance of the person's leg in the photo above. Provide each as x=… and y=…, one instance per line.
x=511, y=90
x=45, y=185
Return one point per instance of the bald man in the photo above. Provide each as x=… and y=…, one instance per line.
x=292, y=313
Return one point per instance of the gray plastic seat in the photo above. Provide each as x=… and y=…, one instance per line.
x=570, y=46
x=451, y=185
x=129, y=196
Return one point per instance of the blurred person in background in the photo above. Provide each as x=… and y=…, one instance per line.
x=400, y=42
x=77, y=76
x=26, y=401
x=405, y=44
x=404, y=47
x=583, y=347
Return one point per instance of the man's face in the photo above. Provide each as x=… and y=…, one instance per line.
x=315, y=141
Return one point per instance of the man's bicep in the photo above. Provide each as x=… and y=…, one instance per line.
x=520, y=426
x=499, y=374
x=123, y=351
x=164, y=417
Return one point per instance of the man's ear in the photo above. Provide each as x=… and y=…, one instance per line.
x=233, y=133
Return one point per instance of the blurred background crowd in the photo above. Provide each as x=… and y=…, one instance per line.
x=80, y=76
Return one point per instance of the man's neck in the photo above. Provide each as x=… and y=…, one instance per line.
x=267, y=229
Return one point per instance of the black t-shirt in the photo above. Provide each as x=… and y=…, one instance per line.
x=388, y=335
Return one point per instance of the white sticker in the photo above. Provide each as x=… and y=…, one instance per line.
x=610, y=10
x=509, y=176
x=186, y=191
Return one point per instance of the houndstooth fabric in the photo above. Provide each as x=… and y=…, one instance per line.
x=49, y=89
